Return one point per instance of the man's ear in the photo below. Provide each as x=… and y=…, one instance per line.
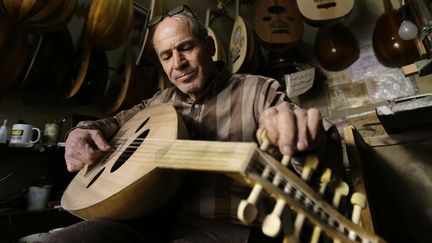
x=211, y=45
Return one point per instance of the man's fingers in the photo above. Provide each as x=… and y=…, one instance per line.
x=291, y=128
x=84, y=147
x=286, y=129
x=301, y=119
x=99, y=141
x=72, y=164
x=268, y=121
x=315, y=126
x=76, y=159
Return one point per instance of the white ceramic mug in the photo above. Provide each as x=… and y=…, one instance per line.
x=22, y=134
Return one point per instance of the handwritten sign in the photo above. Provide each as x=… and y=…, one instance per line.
x=299, y=82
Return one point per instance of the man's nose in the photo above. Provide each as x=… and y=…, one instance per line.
x=179, y=60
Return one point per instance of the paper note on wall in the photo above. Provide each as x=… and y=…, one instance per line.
x=299, y=82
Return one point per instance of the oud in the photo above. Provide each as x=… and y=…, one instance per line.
x=145, y=167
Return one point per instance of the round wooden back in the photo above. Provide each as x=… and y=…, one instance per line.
x=389, y=48
x=336, y=47
x=42, y=15
x=14, y=53
x=109, y=23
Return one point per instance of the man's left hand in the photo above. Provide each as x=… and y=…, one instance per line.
x=291, y=128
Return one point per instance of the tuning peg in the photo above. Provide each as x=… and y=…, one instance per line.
x=263, y=138
x=341, y=190
x=310, y=165
x=285, y=160
x=247, y=210
x=359, y=202
x=272, y=223
x=324, y=180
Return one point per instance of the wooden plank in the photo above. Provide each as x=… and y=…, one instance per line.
x=353, y=142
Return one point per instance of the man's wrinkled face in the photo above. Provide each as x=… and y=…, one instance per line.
x=185, y=58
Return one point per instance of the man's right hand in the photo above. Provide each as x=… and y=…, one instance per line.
x=84, y=146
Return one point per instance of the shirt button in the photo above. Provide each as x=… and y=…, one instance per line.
x=196, y=106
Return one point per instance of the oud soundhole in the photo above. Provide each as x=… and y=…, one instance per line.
x=276, y=9
x=266, y=18
x=142, y=125
x=327, y=5
x=96, y=177
x=127, y=153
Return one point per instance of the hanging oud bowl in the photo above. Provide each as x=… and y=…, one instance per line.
x=336, y=47
x=41, y=15
x=389, y=48
x=108, y=25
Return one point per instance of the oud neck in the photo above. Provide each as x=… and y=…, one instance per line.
x=387, y=5
x=207, y=19
x=225, y=157
x=237, y=9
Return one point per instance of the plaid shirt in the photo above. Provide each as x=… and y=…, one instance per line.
x=228, y=111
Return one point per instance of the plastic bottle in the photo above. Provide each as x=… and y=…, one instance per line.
x=3, y=132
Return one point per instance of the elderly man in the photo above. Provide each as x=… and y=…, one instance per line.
x=215, y=105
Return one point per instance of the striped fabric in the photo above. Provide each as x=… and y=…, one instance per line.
x=228, y=111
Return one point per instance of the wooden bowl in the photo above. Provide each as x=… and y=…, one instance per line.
x=41, y=15
x=336, y=47
x=109, y=23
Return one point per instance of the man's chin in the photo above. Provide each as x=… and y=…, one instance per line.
x=190, y=89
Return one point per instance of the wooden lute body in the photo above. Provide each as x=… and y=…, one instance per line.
x=128, y=182
x=144, y=170
x=389, y=48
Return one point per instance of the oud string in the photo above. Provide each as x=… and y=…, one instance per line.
x=151, y=143
x=149, y=148
x=289, y=189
